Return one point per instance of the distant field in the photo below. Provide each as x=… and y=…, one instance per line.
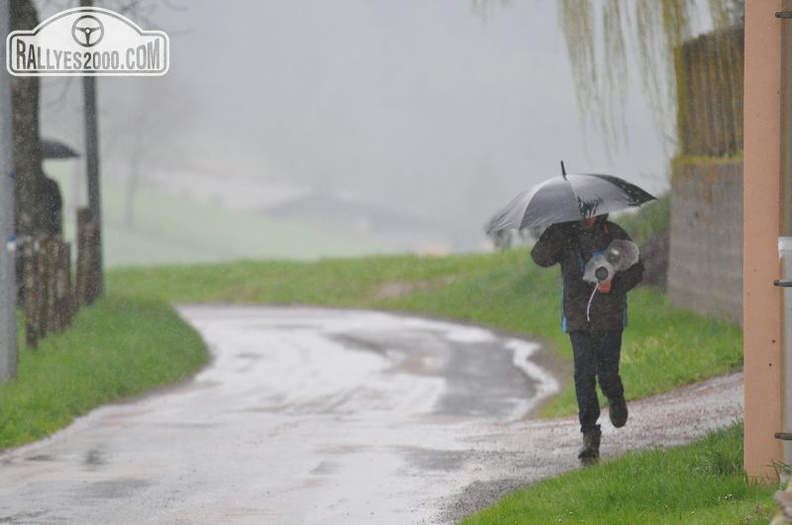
x=170, y=229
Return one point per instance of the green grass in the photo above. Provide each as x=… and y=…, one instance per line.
x=699, y=484
x=653, y=217
x=174, y=229
x=169, y=228
x=118, y=347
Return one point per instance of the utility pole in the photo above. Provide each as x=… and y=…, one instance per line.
x=9, y=352
x=92, y=168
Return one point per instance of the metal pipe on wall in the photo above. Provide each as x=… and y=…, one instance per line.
x=785, y=233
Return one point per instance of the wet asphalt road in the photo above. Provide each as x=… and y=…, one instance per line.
x=305, y=416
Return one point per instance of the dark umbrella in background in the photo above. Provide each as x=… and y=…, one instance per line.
x=570, y=197
x=51, y=193
x=53, y=149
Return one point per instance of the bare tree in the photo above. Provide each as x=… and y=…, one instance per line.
x=144, y=129
x=140, y=118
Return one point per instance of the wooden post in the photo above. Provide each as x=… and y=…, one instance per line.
x=53, y=250
x=42, y=271
x=29, y=278
x=83, y=218
x=65, y=294
x=762, y=319
x=88, y=263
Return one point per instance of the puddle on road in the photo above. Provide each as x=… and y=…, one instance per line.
x=110, y=489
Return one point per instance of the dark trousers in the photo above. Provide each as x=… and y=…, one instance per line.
x=596, y=359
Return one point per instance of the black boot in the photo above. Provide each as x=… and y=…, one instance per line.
x=617, y=410
x=589, y=454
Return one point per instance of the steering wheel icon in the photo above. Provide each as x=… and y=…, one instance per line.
x=87, y=31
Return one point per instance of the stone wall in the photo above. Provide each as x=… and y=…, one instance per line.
x=705, y=260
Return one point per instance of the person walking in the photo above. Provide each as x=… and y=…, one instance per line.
x=594, y=316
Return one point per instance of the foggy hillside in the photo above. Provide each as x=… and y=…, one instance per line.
x=427, y=112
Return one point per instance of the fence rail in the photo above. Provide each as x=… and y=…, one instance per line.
x=710, y=93
x=47, y=291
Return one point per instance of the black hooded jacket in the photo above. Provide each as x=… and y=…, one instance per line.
x=571, y=246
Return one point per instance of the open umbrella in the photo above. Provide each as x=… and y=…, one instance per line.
x=570, y=197
x=53, y=149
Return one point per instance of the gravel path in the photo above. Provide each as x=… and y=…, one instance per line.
x=529, y=451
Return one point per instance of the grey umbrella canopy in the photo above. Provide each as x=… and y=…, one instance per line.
x=53, y=149
x=569, y=197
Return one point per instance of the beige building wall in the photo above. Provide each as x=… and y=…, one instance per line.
x=705, y=260
x=762, y=207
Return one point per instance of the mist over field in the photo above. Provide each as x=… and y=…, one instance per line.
x=396, y=126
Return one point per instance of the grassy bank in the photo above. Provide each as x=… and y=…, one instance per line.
x=699, y=484
x=118, y=347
